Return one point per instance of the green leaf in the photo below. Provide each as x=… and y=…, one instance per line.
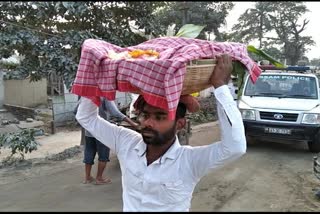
x=19, y=142
x=190, y=31
x=239, y=71
x=264, y=55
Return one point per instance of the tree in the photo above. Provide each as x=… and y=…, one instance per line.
x=211, y=14
x=315, y=62
x=281, y=18
x=49, y=34
x=284, y=21
x=254, y=23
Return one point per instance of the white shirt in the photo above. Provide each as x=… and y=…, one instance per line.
x=106, y=110
x=168, y=183
x=232, y=90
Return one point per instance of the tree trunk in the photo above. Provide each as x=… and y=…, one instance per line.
x=185, y=13
x=260, y=31
x=217, y=34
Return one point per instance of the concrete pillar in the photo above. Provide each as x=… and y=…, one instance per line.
x=1, y=90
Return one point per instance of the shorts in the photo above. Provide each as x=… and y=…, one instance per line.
x=93, y=146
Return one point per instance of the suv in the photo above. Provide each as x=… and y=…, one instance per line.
x=282, y=105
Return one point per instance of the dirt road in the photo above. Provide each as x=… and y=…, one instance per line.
x=270, y=177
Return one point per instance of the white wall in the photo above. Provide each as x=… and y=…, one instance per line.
x=63, y=107
x=25, y=93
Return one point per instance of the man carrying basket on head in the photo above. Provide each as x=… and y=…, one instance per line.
x=158, y=174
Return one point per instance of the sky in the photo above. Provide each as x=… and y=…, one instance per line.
x=312, y=29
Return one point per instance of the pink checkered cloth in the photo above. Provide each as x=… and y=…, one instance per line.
x=160, y=80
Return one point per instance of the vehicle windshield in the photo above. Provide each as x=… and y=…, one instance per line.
x=283, y=86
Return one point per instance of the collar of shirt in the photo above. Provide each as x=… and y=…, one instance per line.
x=172, y=152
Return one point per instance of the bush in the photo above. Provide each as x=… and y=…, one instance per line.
x=8, y=65
x=19, y=142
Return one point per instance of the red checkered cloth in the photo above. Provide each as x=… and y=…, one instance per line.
x=159, y=80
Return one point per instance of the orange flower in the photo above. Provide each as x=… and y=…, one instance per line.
x=139, y=53
x=136, y=53
x=152, y=53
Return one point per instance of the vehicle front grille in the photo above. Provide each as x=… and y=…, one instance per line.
x=271, y=116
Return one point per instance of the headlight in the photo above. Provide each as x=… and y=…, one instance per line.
x=248, y=114
x=311, y=119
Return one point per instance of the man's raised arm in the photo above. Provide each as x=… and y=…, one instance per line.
x=104, y=131
x=233, y=141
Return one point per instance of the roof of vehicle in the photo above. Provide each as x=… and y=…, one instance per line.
x=287, y=68
x=292, y=70
x=287, y=73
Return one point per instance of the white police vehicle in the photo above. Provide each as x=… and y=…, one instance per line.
x=282, y=105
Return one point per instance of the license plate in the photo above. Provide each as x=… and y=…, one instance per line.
x=277, y=130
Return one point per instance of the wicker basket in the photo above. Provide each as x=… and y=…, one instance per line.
x=198, y=75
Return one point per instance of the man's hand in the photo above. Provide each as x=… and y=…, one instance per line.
x=222, y=71
x=191, y=103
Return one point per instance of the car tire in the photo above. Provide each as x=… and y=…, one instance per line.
x=314, y=146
